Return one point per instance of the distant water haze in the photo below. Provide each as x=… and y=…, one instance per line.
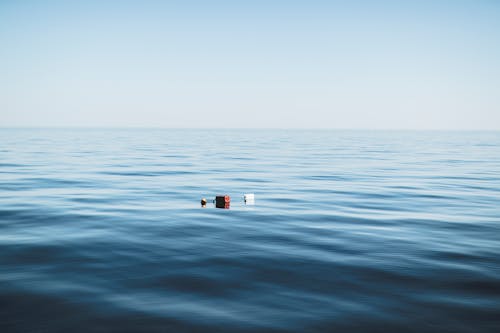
x=255, y=64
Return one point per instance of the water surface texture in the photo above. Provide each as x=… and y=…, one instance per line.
x=352, y=231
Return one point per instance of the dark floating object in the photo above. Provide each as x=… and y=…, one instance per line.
x=203, y=202
x=222, y=201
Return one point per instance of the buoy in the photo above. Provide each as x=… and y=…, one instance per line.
x=249, y=199
x=222, y=201
x=203, y=202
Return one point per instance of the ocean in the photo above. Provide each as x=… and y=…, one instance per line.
x=101, y=230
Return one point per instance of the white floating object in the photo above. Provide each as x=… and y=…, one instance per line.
x=249, y=199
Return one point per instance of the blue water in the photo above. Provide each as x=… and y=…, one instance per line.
x=352, y=231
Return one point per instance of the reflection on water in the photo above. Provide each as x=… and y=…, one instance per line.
x=102, y=230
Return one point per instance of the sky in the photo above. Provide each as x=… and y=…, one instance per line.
x=251, y=64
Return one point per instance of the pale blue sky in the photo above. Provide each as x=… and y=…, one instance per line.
x=312, y=64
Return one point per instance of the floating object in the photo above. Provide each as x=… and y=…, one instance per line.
x=249, y=199
x=222, y=201
x=203, y=202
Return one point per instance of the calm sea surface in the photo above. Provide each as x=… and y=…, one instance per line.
x=352, y=231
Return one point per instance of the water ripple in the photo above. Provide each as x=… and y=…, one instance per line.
x=101, y=230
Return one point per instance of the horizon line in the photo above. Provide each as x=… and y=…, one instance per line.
x=253, y=128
